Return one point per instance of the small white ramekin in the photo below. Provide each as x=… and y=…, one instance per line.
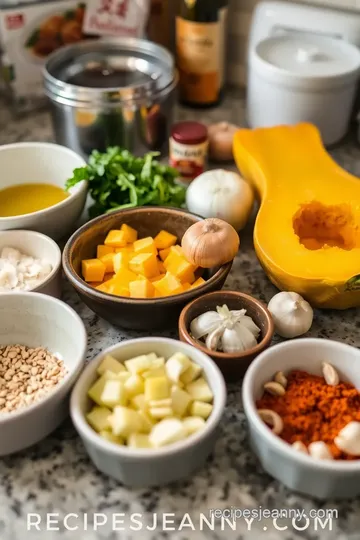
x=300, y=472
x=149, y=467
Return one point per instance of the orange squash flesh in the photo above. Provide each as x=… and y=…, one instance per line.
x=307, y=232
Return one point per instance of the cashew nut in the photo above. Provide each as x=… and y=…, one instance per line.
x=274, y=388
x=348, y=439
x=272, y=419
x=330, y=374
x=280, y=378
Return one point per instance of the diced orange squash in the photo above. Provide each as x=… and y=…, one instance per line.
x=145, y=264
x=157, y=294
x=121, y=260
x=117, y=288
x=157, y=278
x=124, y=276
x=164, y=253
x=115, y=239
x=168, y=285
x=182, y=269
x=130, y=233
x=164, y=240
x=102, y=250
x=127, y=249
x=94, y=284
x=108, y=276
x=186, y=286
x=142, y=288
x=108, y=260
x=145, y=245
x=175, y=254
x=198, y=282
x=93, y=270
x=103, y=287
x=161, y=267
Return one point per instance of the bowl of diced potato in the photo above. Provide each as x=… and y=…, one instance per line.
x=129, y=268
x=148, y=410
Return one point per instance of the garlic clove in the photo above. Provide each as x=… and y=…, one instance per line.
x=348, y=439
x=272, y=419
x=330, y=374
x=292, y=315
x=205, y=324
x=213, y=339
x=237, y=339
x=274, y=388
x=300, y=447
x=320, y=450
x=280, y=378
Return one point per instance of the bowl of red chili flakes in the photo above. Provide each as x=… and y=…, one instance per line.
x=302, y=403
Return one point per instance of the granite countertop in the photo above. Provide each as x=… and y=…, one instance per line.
x=56, y=476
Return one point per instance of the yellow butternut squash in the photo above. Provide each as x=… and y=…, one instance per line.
x=307, y=231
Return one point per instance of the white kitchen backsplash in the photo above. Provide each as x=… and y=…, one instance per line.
x=239, y=26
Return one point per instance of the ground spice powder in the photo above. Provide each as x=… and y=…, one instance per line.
x=313, y=410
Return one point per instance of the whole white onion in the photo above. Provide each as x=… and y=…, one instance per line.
x=221, y=194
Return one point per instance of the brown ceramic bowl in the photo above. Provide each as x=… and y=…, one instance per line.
x=232, y=366
x=134, y=313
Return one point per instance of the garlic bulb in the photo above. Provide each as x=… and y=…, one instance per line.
x=221, y=194
x=225, y=330
x=292, y=315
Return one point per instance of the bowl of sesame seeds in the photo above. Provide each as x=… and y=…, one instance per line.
x=42, y=352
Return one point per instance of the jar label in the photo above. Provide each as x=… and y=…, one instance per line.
x=188, y=159
x=199, y=56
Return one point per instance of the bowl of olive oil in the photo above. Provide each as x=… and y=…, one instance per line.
x=32, y=188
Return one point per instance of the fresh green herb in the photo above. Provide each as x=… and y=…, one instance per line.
x=33, y=39
x=117, y=179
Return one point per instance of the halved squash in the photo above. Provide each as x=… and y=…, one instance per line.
x=307, y=231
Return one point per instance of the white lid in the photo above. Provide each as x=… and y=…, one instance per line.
x=310, y=57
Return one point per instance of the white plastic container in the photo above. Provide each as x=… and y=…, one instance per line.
x=298, y=77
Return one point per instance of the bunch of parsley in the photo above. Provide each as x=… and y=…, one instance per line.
x=117, y=179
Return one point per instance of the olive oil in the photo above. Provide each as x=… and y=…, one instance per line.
x=28, y=198
x=200, y=49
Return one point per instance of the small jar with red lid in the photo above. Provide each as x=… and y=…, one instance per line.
x=189, y=143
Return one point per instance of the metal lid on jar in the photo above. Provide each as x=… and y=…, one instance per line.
x=311, y=59
x=108, y=71
x=189, y=132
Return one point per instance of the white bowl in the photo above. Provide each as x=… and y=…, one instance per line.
x=43, y=163
x=149, y=467
x=300, y=472
x=34, y=320
x=41, y=247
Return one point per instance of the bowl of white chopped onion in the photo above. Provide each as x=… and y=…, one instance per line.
x=29, y=261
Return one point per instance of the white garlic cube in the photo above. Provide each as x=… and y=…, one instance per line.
x=110, y=364
x=134, y=385
x=156, y=388
x=176, y=365
x=180, y=401
x=98, y=418
x=200, y=408
x=125, y=421
x=191, y=373
x=199, y=390
x=192, y=424
x=113, y=394
x=167, y=431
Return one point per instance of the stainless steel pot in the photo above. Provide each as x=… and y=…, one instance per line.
x=111, y=92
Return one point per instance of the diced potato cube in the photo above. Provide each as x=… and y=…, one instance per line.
x=199, y=408
x=113, y=394
x=158, y=372
x=180, y=401
x=160, y=402
x=163, y=254
x=111, y=437
x=141, y=288
x=200, y=281
x=122, y=376
x=98, y=418
x=134, y=385
x=145, y=245
x=156, y=388
x=96, y=390
x=139, y=402
x=145, y=264
x=93, y=270
x=161, y=412
x=192, y=372
x=138, y=364
x=138, y=440
x=168, y=285
x=102, y=250
x=199, y=390
x=167, y=431
x=147, y=422
x=108, y=260
x=164, y=240
x=125, y=421
x=115, y=238
x=109, y=363
x=176, y=365
x=182, y=269
x=130, y=233
x=192, y=424
x=121, y=260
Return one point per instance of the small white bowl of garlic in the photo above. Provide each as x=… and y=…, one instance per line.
x=29, y=261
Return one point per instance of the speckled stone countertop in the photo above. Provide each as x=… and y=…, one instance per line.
x=56, y=476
